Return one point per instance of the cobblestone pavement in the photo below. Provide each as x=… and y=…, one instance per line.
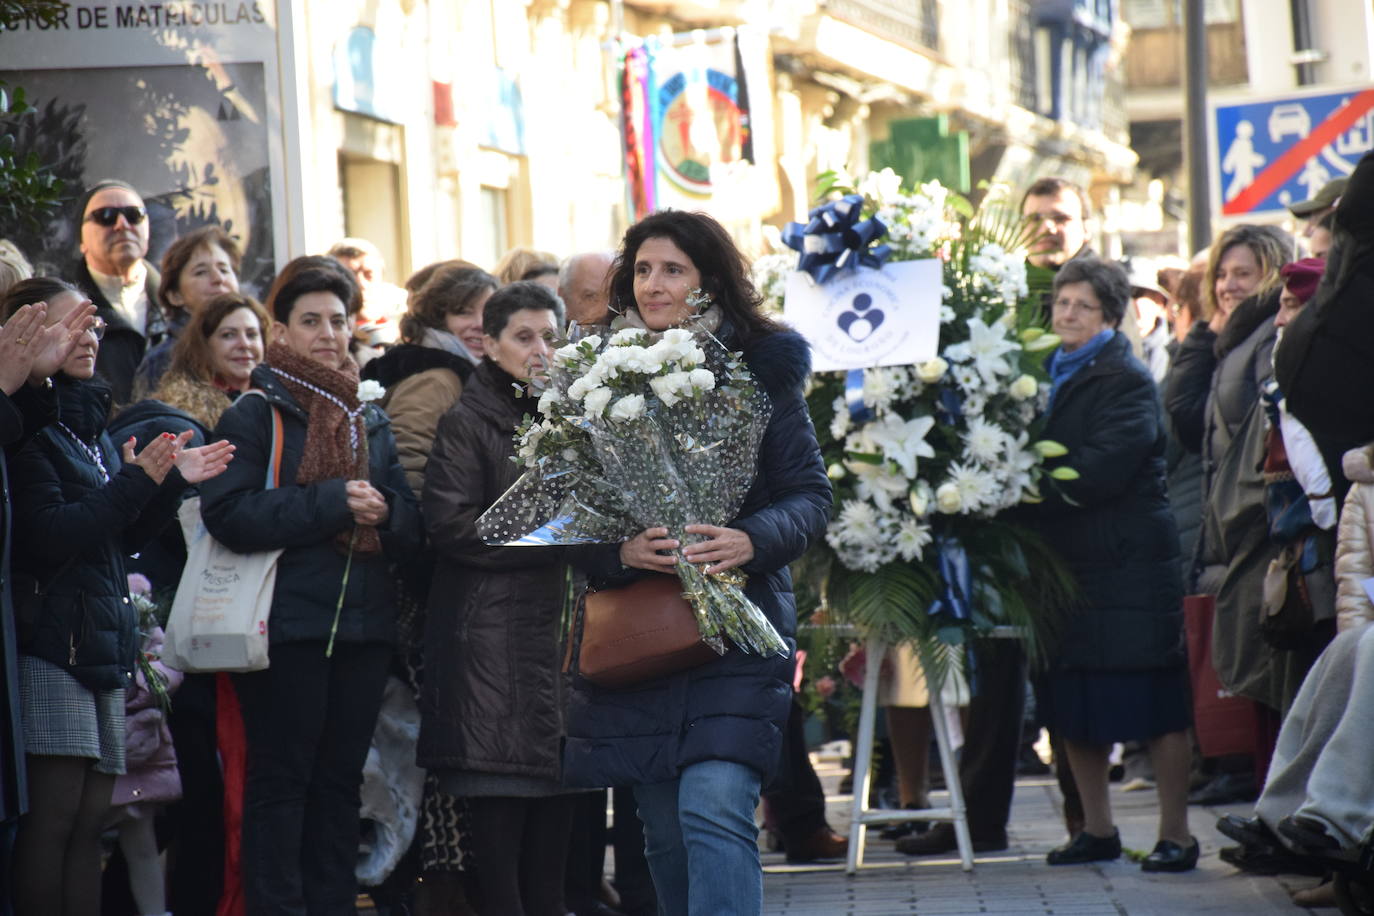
x=1018, y=881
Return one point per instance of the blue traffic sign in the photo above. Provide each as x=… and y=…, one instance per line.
x=1269, y=153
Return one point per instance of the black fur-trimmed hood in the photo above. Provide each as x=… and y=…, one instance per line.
x=781, y=360
x=404, y=360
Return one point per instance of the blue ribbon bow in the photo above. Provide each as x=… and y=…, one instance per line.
x=953, y=566
x=834, y=239
x=854, y=396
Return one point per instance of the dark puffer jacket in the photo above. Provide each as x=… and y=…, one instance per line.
x=22, y=415
x=70, y=587
x=1113, y=525
x=732, y=708
x=165, y=556
x=304, y=518
x=492, y=699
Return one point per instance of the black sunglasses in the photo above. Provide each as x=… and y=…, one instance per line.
x=108, y=216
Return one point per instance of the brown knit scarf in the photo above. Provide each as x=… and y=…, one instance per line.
x=335, y=437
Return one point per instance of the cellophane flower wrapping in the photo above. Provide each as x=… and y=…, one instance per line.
x=639, y=430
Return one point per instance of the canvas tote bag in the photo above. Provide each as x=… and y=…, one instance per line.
x=219, y=617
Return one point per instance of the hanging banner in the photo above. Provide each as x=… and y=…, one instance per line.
x=184, y=101
x=709, y=139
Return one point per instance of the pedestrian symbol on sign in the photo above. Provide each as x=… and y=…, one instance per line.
x=1241, y=160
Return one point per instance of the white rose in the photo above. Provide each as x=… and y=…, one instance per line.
x=565, y=353
x=666, y=388
x=932, y=370
x=592, y=340
x=628, y=407
x=702, y=379
x=547, y=400
x=627, y=336
x=677, y=337
x=595, y=402
x=692, y=356
x=370, y=391
x=947, y=498
x=579, y=388
x=1024, y=388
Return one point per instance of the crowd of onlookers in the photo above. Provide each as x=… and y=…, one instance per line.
x=1211, y=410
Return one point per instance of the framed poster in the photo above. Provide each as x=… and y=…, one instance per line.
x=184, y=101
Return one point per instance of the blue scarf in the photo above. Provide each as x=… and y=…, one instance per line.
x=1062, y=366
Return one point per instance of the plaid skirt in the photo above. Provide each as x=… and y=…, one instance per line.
x=64, y=719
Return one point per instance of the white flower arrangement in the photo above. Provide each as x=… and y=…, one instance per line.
x=953, y=437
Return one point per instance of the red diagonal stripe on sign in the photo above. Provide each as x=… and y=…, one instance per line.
x=1287, y=165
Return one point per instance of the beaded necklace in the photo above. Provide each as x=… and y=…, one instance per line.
x=354, y=415
x=91, y=453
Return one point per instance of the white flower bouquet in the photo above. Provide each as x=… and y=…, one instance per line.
x=642, y=430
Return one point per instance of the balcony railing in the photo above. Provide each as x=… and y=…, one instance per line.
x=914, y=22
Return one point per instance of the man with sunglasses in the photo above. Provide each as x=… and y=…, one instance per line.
x=122, y=284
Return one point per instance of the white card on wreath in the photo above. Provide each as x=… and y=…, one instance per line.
x=864, y=317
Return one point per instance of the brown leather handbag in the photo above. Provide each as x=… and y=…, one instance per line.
x=639, y=632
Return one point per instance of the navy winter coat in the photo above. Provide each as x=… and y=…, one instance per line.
x=70, y=587
x=165, y=556
x=1113, y=526
x=304, y=518
x=735, y=707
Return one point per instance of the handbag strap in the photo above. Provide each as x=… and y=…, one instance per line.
x=274, y=462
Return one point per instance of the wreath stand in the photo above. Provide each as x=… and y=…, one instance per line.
x=862, y=817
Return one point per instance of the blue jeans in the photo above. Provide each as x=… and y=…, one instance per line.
x=701, y=841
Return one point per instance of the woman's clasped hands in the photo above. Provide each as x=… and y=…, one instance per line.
x=366, y=502
x=724, y=549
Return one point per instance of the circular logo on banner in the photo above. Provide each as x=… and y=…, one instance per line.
x=699, y=126
x=856, y=326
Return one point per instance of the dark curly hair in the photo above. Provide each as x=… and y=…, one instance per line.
x=725, y=274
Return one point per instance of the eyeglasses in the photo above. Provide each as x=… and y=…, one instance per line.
x=1071, y=305
x=97, y=328
x=108, y=216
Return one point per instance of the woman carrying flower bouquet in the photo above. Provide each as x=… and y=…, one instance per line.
x=1119, y=673
x=698, y=745
x=341, y=503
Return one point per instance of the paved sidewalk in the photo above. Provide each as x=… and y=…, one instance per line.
x=1018, y=881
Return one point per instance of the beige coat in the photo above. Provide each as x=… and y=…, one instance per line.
x=415, y=405
x=1355, y=542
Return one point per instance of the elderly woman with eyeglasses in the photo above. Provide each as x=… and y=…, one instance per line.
x=1119, y=673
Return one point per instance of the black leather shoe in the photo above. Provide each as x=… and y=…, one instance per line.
x=1250, y=832
x=1309, y=835
x=940, y=839
x=1224, y=789
x=1270, y=860
x=1169, y=856
x=905, y=828
x=1087, y=848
